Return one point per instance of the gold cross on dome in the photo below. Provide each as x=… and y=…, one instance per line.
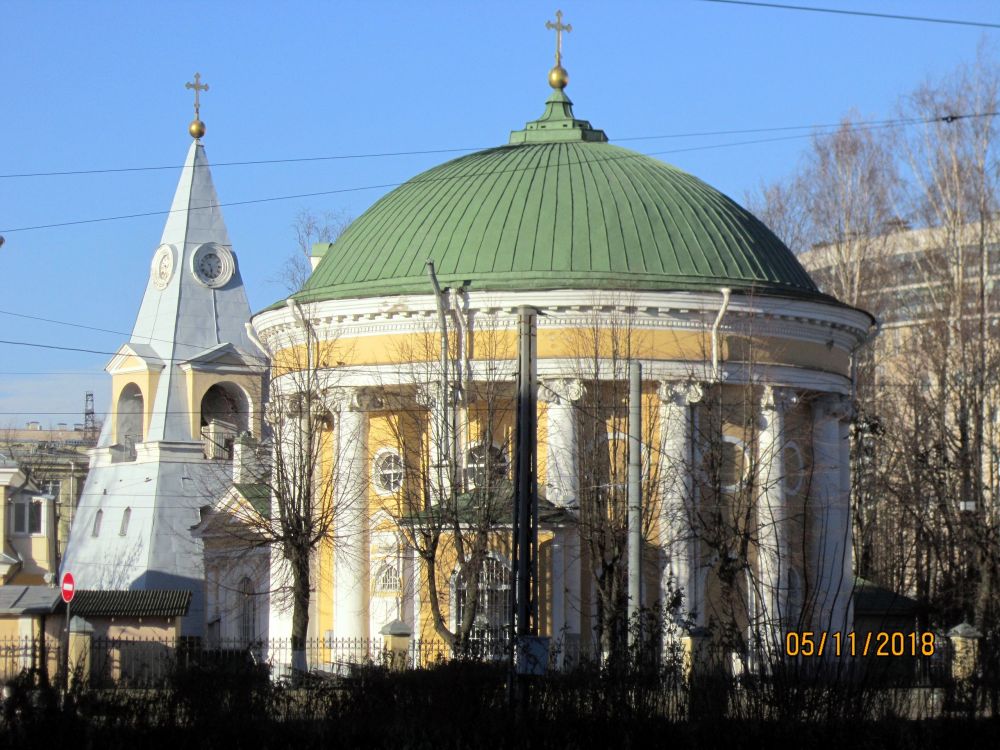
x=198, y=86
x=559, y=27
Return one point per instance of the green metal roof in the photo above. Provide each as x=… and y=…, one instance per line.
x=557, y=208
x=258, y=495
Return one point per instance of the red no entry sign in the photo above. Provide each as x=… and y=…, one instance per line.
x=67, y=587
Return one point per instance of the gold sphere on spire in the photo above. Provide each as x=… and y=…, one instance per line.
x=558, y=77
x=196, y=128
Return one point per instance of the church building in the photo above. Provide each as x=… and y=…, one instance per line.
x=408, y=330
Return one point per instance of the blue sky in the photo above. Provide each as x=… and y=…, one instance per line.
x=100, y=85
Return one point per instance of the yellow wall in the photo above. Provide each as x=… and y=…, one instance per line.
x=570, y=342
x=146, y=380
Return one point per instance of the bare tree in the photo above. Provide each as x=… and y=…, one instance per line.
x=454, y=507
x=310, y=498
x=310, y=228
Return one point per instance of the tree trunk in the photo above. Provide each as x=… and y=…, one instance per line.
x=300, y=610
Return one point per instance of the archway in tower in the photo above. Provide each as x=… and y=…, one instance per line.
x=225, y=414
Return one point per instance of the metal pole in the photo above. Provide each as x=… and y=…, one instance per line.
x=524, y=620
x=524, y=460
x=444, y=443
x=65, y=654
x=634, y=503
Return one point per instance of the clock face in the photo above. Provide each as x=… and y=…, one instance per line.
x=210, y=266
x=213, y=265
x=163, y=266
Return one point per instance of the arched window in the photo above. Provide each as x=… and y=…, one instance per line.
x=493, y=601
x=225, y=413
x=485, y=465
x=248, y=611
x=387, y=472
x=730, y=460
x=129, y=420
x=96, y=531
x=126, y=516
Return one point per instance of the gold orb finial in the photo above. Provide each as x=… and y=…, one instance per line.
x=558, y=77
x=196, y=128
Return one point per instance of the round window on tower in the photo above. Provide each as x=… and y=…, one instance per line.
x=387, y=472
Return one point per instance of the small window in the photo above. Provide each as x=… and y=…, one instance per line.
x=97, y=523
x=28, y=516
x=387, y=472
x=52, y=487
x=485, y=465
x=126, y=516
x=248, y=611
x=388, y=580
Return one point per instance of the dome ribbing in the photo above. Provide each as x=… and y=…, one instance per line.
x=559, y=208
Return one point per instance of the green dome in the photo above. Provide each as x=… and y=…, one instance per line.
x=558, y=208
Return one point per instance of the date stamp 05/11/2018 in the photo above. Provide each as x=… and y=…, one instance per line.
x=877, y=643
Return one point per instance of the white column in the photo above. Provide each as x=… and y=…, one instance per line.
x=557, y=594
x=678, y=535
x=831, y=523
x=351, y=533
x=572, y=603
x=279, y=611
x=562, y=456
x=773, y=548
x=562, y=487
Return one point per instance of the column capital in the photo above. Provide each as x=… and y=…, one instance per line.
x=680, y=393
x=561, y=390
x=834, y=406
x=778, y=399
x=341, y=399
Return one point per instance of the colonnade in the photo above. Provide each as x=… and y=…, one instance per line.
x=685, y=566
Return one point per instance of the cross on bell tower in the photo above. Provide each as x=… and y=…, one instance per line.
x=197, y=127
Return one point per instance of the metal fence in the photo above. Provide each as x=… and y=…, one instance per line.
x=150, y=662
x=19, y=655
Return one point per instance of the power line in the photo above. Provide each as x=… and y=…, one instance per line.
x=866, y=14
x=144, y=214
x=293, y=160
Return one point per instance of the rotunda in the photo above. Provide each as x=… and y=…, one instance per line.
x=409, y=323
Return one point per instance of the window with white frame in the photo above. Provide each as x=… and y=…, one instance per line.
x=28, y=514
x=485, y=465
x=388, y=580
x=387, y=472
x=727, y=462
x=492, y=602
